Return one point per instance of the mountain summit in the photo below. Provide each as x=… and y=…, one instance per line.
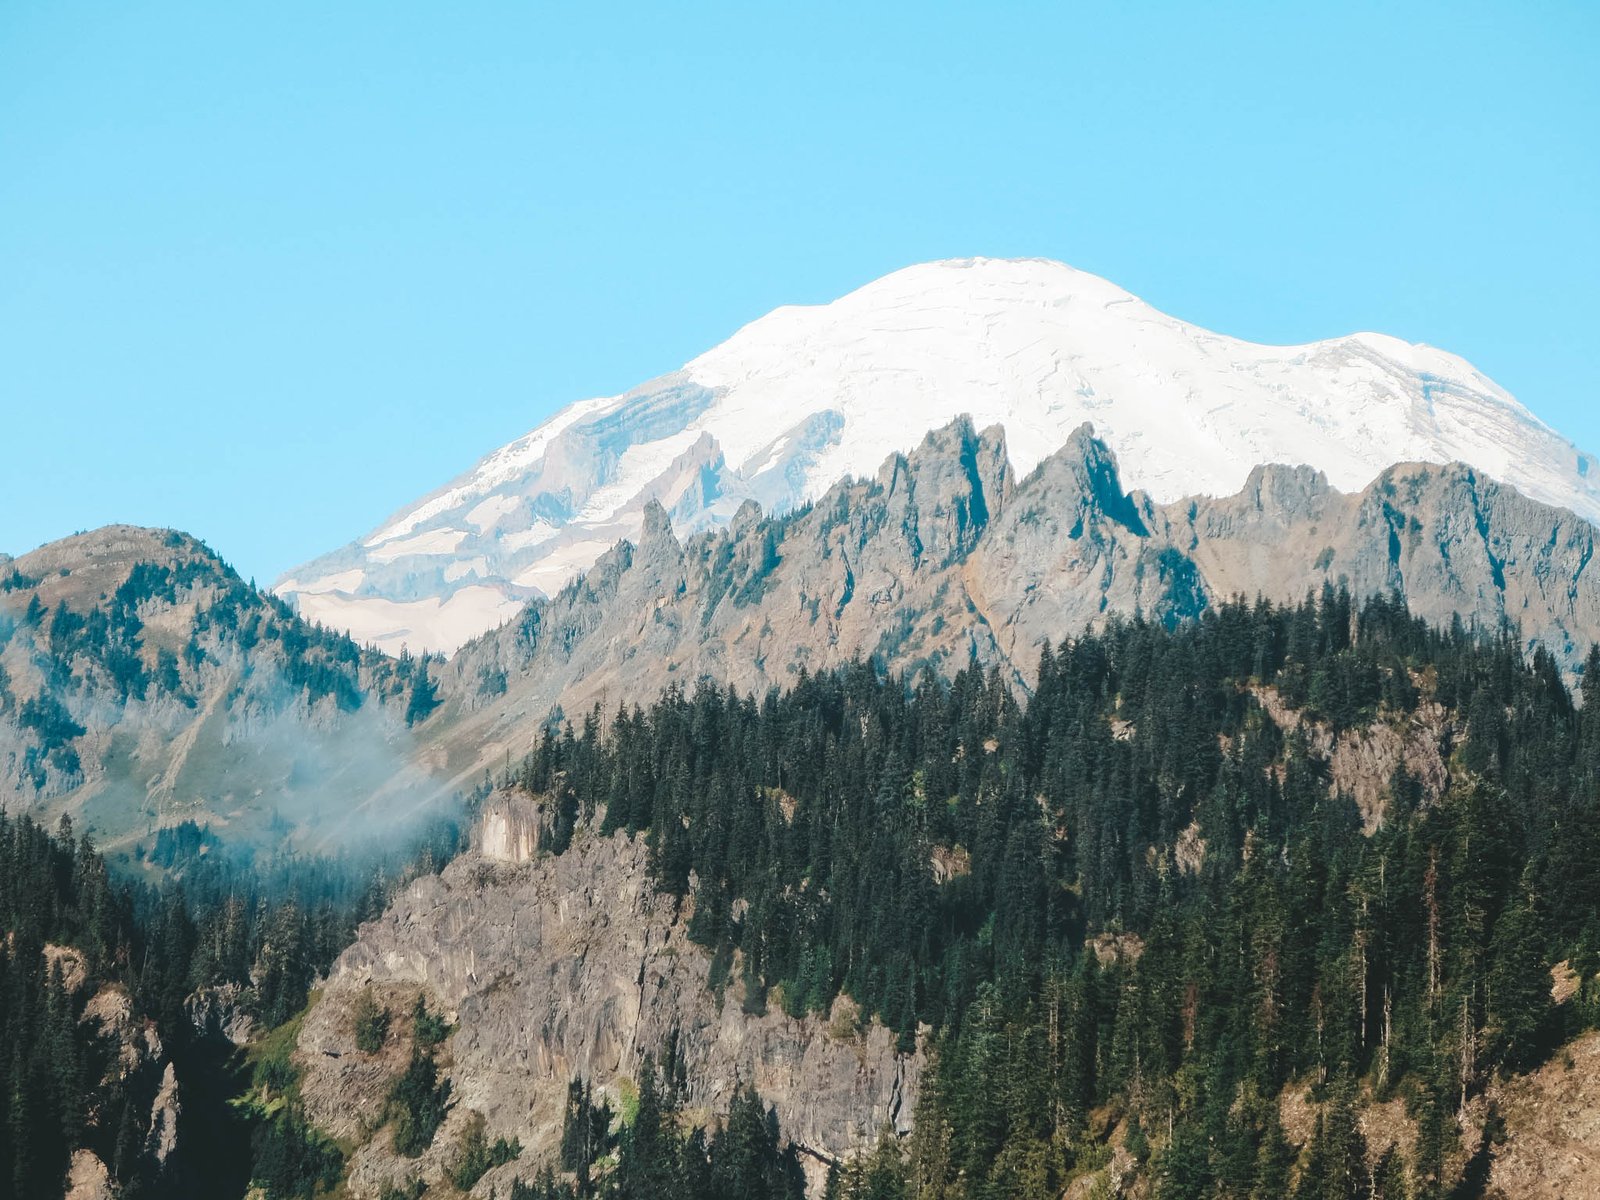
x=805, y=396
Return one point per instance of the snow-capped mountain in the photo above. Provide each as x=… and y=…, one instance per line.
x=807, y=395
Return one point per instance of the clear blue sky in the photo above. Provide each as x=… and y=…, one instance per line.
x=268, y=271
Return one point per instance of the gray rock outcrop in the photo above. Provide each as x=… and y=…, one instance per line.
x=162, y=1137
x=221, y=1012
x=574, y=966
x=511, y=828
x=88, y=1178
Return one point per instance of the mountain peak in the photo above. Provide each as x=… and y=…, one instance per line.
x=809, y=395
x=973, y=282
x=78, y=569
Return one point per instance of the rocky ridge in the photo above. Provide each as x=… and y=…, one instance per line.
x=945, y=558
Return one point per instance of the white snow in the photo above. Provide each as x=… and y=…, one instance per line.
x=552, y=571
x=806, y=395
x=504, y=464
x=417, y=625
x=489, y=511
x=1039, y=348
x=640, y=464
x=434, y=542
x=521, y=539
x=340, y=581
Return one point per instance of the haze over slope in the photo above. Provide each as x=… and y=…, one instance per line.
x=143, y=683
x=808, y=395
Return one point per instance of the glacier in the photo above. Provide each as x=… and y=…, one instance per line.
x=805, y=396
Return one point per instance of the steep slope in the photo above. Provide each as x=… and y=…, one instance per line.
x=943, y=557
x=87, y=1080
x=576, y=966
x=1551, y=1146
x=804, y=397
x=143, y=683
x=1176, y=915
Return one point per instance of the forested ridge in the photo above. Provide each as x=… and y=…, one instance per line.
x=87, y=651
x=1125, y=916
x=1130, y=908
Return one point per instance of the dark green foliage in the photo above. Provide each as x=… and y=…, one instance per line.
x=584, y=1126
x=275, y=1073
x=428, y=1029
x=292, y=1160
x=745, y=1157
x=178, y=846
x=1411, y=959
x=371, y=1021
x=48, y=717
x=424, y=696
x=657, y=1158
x=475, y=1155
x=544, y=1187
x=55, y=890
x=492, y=680
x=418, y=1101
x=1335, y=1167
x=268, y=927
x=16, y=581
x=48, y=1065
x=289, y=1159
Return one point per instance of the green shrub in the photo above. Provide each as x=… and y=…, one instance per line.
x=418, y=1102
x=475, y=1156
x=371, y=1024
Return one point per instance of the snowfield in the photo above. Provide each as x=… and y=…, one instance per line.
x=806, y=395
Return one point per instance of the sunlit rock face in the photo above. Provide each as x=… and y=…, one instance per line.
x=511, y=828
x=576, y=966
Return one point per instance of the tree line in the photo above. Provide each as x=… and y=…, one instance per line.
x=261, y=930
x=1133, y=898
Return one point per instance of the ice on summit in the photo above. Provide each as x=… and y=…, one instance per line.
x=806, y=395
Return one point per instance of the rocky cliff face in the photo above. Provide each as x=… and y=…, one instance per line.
x=511, y=828
x=88, y=1178
x=573, y=966
x=1453, y=542
x=945, y=558
x=138, y=1065
x=222, y=1013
